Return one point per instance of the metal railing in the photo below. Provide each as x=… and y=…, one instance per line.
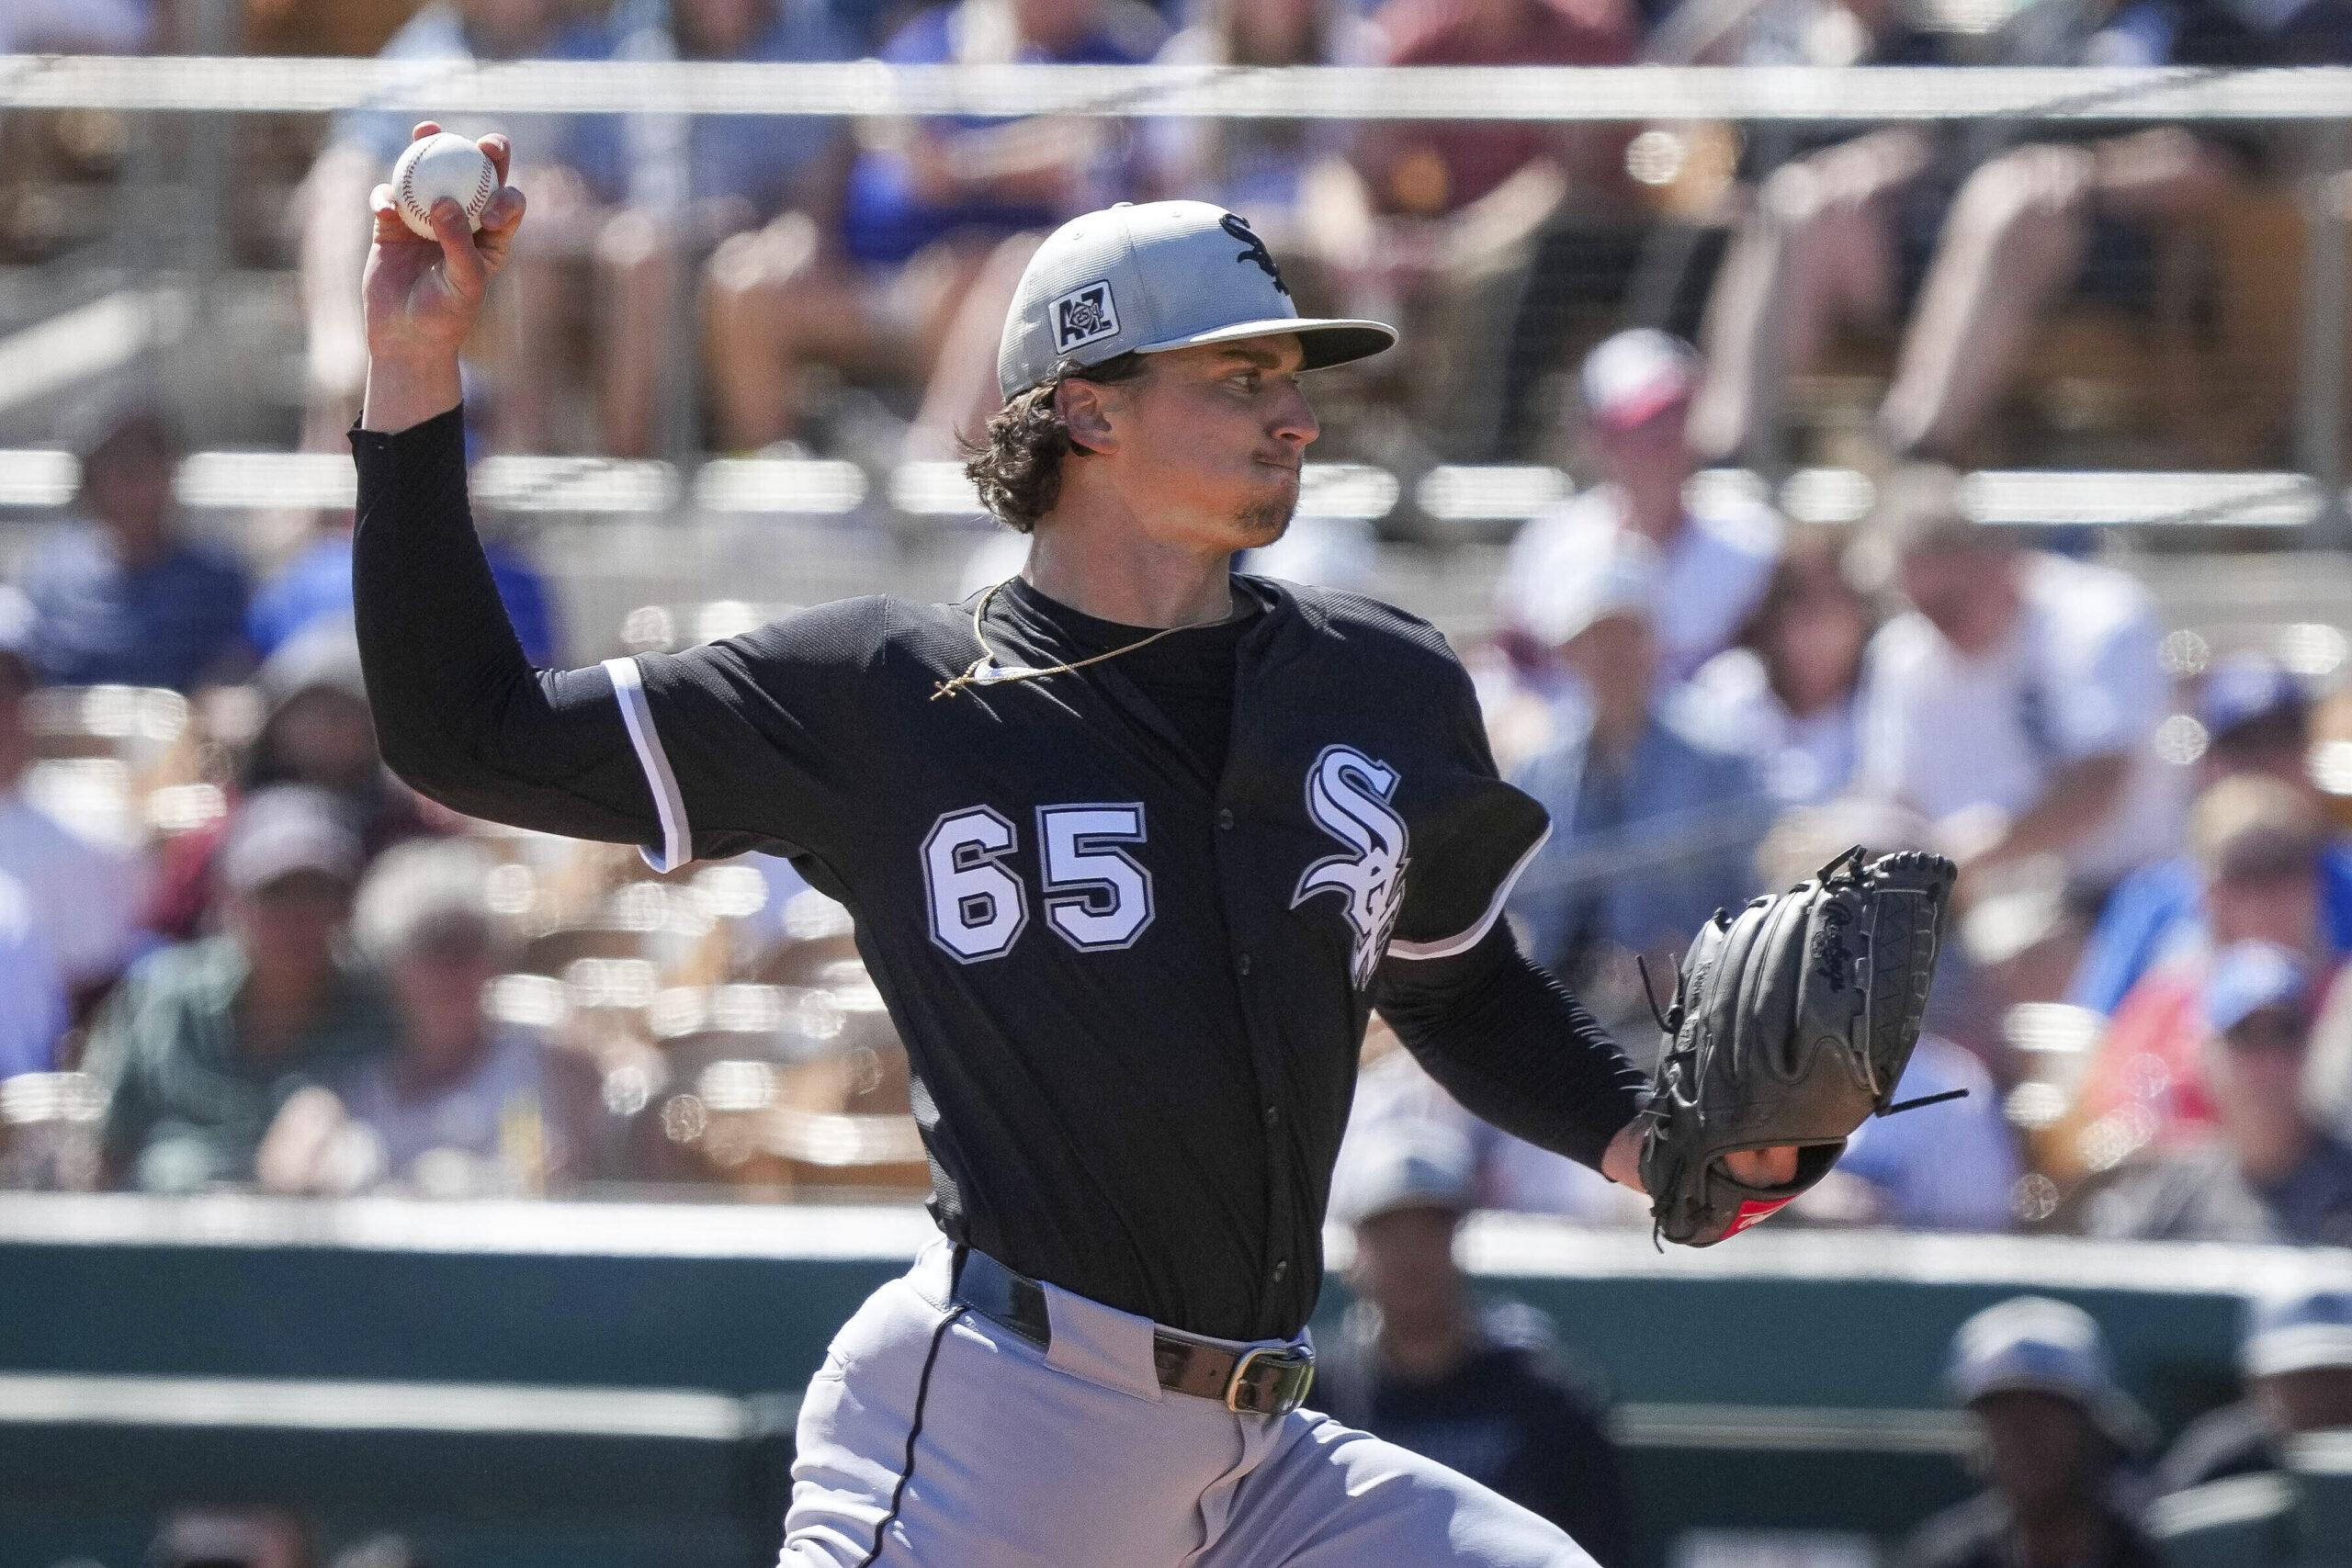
x=2314, y=105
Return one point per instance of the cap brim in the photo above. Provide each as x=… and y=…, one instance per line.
x=2298, y=1349
x=1326, y=341
x=1645, y=406
x=2114, y=1413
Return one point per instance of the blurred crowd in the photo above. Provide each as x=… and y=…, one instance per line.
x=248, y=955
x=235, y=954
x=1712, y=701
x=745, y=284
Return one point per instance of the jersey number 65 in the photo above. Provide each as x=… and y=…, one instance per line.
x=1097, y=896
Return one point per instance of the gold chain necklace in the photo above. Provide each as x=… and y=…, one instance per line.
x=985, y=671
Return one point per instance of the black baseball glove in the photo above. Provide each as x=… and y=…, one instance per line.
x=1791, y=1021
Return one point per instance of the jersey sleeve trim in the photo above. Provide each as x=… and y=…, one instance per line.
x=677, y=839
x=1446, y=947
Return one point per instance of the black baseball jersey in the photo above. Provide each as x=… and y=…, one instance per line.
x=1132, y=992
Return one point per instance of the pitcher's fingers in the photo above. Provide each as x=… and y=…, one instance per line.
x=504, y=211
x=499, y=151
x=460, y=262
x=500, y=222
x=387, y=214
x=425, y=128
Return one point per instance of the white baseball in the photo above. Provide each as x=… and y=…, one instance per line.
x=442, y=165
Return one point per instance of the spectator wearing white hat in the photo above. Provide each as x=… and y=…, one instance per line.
x=2052, y=1429
x=2297, y=1358
x=1421, y=1362
x=84, y=897
x=1715, y=544
x=463, y=1104
x=204, y=1043
x=1653, y=829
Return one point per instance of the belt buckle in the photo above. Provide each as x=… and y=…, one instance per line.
x=1286, y=1373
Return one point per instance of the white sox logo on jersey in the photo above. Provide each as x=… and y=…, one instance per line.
x=1347, y=796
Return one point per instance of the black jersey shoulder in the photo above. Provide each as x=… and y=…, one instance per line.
x=863, y=633
x=1394, y=640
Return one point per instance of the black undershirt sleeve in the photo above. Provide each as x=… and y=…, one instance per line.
x=460, y=715
x=1513, y=1046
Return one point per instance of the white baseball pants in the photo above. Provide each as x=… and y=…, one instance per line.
x=933, y=1438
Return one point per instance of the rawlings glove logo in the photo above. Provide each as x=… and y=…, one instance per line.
x=1347, y=796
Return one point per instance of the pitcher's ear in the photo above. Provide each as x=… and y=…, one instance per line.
x=1084, y=407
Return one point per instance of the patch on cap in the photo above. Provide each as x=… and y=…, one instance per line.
x=1084, y=315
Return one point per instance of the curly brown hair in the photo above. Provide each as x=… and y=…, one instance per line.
x=1017, y=465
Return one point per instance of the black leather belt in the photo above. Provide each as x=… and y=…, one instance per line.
x=1264, y=1380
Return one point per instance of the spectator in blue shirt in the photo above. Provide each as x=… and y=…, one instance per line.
x=1652, y=828
x=2257, y=721
x=919, y=264
x=32, y=989
x=119, y=597
x=314, y=589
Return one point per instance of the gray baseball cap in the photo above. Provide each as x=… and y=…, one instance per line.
x=1144, y=279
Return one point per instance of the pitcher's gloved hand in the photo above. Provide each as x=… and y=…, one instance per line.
x=1791, y=1021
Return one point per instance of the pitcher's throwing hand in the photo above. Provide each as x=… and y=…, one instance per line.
x=422, y=295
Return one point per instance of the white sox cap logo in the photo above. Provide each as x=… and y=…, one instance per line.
x=1083, y=316
x=1347, y=796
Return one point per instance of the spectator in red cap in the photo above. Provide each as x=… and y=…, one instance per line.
x=1716, y=549
x=2268, y=1173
